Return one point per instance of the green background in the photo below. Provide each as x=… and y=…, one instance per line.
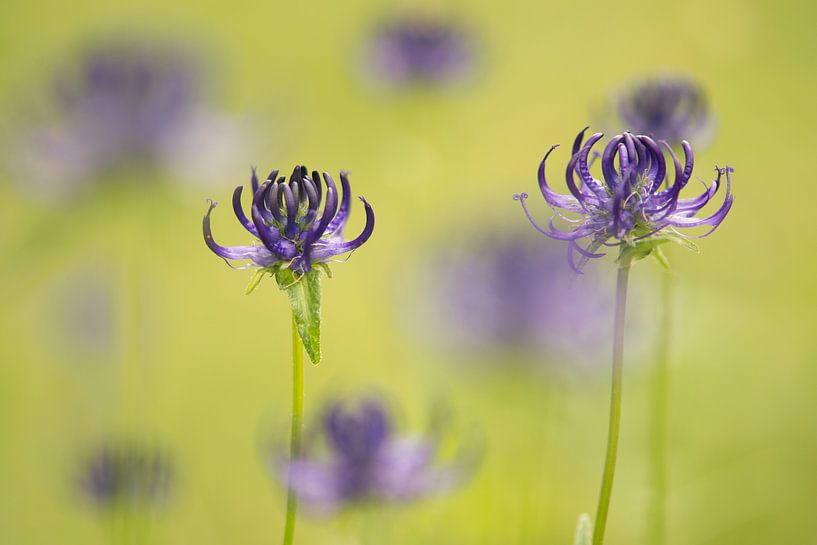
x=199, y=368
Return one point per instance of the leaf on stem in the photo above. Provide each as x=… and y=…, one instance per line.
x=304, y=294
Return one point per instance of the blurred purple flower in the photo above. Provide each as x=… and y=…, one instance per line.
x=420, y=49
x=665, y=108
x=367, y=460
x=126, y=473
x=123, y=104
x=287, y=221
x=509, y=293
x=635, y=205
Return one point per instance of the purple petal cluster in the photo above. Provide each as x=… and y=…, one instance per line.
x=126, y=98
x=287, y=218
x=507, y=296
x=666, y=108
x=421, y=50
x=636, y=201
x=123, y=105
x=126, y=473
x=365, y=460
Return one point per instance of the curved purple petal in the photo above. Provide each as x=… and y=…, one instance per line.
x=239, y=211
x=584, y=169
x=291, y=204
x=336, y=226
x=716, y=218
x=254, y=181
x=258, y=254
x=329, y=210
x=553, y=198
x=608, y=167
x=260, y=214
x=333, y=249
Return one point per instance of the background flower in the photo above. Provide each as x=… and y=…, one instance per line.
x=125, y=105
x=420, y=50
x=127, y=473
x=671, y=108
x=504, y=296
x=366, y=459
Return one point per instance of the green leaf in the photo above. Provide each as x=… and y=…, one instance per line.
x=259, y=274
x=304, y=294
x=584, y=531
x=325, y=268
x=255, y=280
x=662, y=258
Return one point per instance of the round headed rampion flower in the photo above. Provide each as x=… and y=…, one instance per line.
x=122, y=105
x=286, y=218
x=487, y=301
x=366, y=460
x=126, y=473
x=421, y=50
x=665, y=108
x=635, y=204
x=126, y=98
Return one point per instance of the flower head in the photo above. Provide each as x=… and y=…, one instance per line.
x=635, y=203
x=287, y=219
x=506, y=296
x=126, y=473
x=122, y=105
x=421, y=50
x=668, y=108
x=126, y=98
x=366, y=460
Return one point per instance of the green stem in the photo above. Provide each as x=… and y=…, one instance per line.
x=656, y=518
x=297, y=426
x=615, y=402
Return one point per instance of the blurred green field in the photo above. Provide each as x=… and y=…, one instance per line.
x=198, y=367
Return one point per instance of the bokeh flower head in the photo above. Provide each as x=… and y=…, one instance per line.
x=355, y=454
x=122, y=106
x=669, y=107
x=420, y=50
x=503, y=296
x=126, y=472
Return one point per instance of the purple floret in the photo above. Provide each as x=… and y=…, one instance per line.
x=365, y=460
x=126, y=473
x=633, y=202
x=665, y=108
x=287, y=219
x=421, y=50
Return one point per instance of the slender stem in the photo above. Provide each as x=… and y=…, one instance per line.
x=615, y=402
x=297, y=426
x=656, y=518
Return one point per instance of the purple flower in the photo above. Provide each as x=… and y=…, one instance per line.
x=421, y=50
x=366, y=460
x=286, y=218
x=125, y=99
x=122, y=105
x=126, y=473
x=668, y=108
x=507, y=294
x=635, y=204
